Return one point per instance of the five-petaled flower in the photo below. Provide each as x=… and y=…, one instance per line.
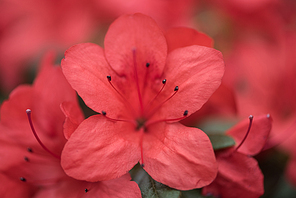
x=141, y=92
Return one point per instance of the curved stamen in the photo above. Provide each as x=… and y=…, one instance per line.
x=28, y=111
x=169, y=120
x=248, y=131
x=155, y=109
x=104, y=113
x=164, y=83
x=127, y=102
x=141, y=145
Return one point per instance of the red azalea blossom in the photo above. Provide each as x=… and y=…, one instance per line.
x=27, y=169
x=141, y=92
x=238, y=173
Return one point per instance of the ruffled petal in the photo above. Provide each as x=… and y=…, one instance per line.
x=182, y=37
x=184, y=159
x=101, y=149
x=238, y=176
x=137, y=34
x=74, y=117
x=257, y=136
x=50, y=90
x=197, y=71
x=86, y=70
x=120, y=188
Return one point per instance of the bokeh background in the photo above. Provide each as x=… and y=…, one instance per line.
x=257, y=39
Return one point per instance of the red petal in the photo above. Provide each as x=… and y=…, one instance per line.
x=86, y=69
x=183, y=37
x=238, y=176
x=197, y=71
x=50, y=90
x=184, y=159
x=11, y=188
x=121, y=188
x=140, y=33
x=100, y=150
x=257, y=136
x=74, y=117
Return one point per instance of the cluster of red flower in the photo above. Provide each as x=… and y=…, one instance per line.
x=152, y=90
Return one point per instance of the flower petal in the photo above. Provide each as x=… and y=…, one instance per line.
x=238, y=176
x=183, y=37
x=74, y=117
x=86, y=70
x=184, y=159
x=121, y=187
x=100, y=150
x=257, y=136
x=138, y=33
x=197, y=71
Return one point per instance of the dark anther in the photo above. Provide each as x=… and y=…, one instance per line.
x=23, y=179
x=86, y=190
x=176, y=88
x=185, y=113
x=30, y=150
x=109, y=78
x=147, y=64
x=26, y=159
x=104, y=113
x=142, y=165
x=163, y=81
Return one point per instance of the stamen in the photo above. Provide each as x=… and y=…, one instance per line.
x=170, y=120
x=28, y=111
x=104, y=113
x=141, y=145
x=249, y=128
x=23, y=179
x=127, y=102
x=164, y=83
x=155, y=109
x=30, y=150
x=86, y=190
x=137, y=82
x=147, y=64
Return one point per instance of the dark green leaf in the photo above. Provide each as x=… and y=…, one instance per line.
x=151, y=188
x=221, y=141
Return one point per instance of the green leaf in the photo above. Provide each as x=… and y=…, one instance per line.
x=151, y=188
x=221, y=141
x=196, y=193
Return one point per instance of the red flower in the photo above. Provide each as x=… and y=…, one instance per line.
x=141, y=93
x=238, y=173
x=26, y=167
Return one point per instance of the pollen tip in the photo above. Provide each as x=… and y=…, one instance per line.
x=251, y=117
x=26, y=159
x=147, y=64
x=176, y=88
x=164, y=81
x=104, y=113
x=109, y=78
x=268, y=115
x=28, y=111
x=185, y=113
x=29, y=150
x=142, y=165
x=23, y=179
x=86, y=190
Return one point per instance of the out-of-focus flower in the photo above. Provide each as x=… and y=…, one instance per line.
x=238, y=173
x=141, y=92
x=29, y=28
x=29, y=170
